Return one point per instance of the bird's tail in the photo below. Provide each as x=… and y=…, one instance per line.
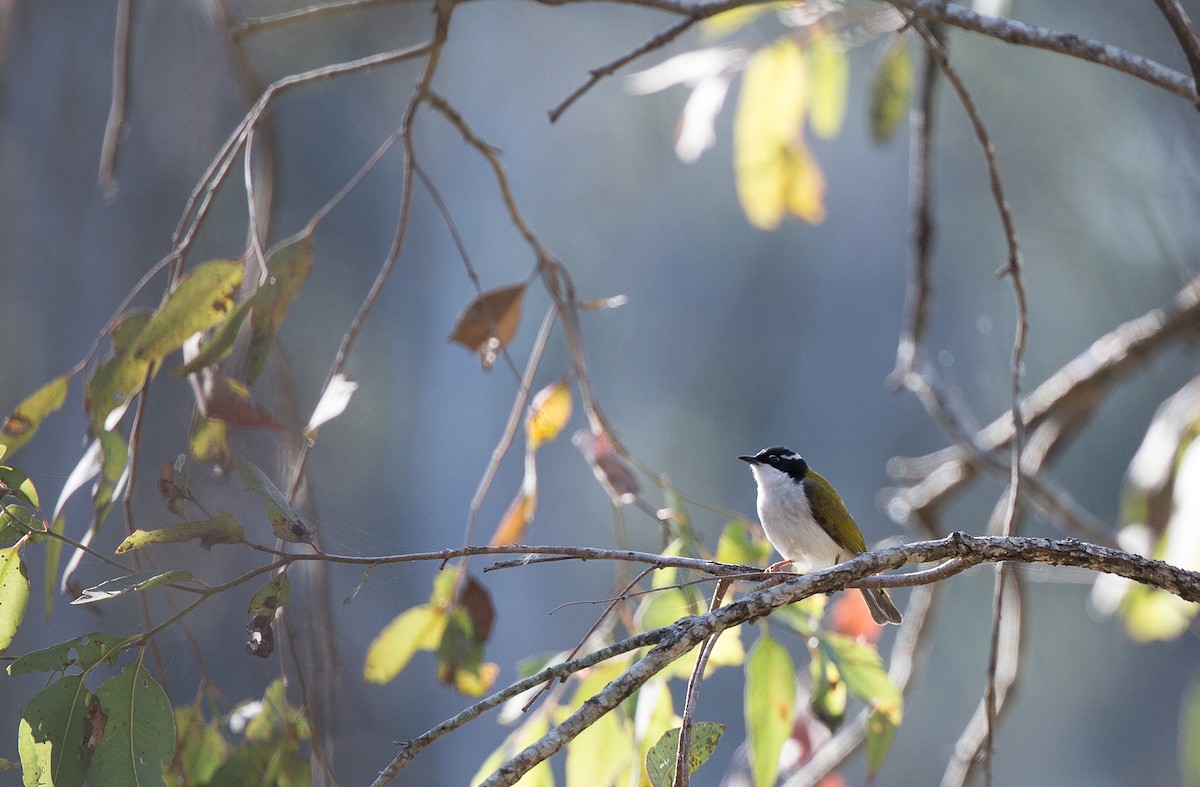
x=881, y=606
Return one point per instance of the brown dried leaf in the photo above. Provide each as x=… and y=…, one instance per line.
x=490, y=321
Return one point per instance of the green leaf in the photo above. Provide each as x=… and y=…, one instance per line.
x=415, y=629
x=14, y=482
x=829, y=695
x=218, y=345
x=271, y=596
x=286, y=522
x=23, y=422
x=82, y=652
x=862, y=670
x=660, y=760
x=54, y=728
x=460, y=655
x=534, y=728
x=880, y=731
x=16, y=521
x=139, y=730
x=1189, y=733
x=288, y=265
x=50, y=571
x=891, y=90
x=201, y=300
x=114, y=456
x=221, y=529
x=276, y=719
x=14, y=594
x=132, y=583
x=830, y=83
x=601, y=754
x=662, y=608
x=209, y=440
x=736, y=545
x=113, y=383
x=769, y=706
x=202, y=747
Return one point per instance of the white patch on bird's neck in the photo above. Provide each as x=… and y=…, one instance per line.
x=787, y=518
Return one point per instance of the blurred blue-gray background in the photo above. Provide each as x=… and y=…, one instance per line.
x=732, y=339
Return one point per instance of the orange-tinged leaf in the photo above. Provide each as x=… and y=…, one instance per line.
x=490, y=321
x=202, y=299
x=516, y=518
x=769, y=705
x=548, y=414
x=415, y=629
x=229, y=400
x=23, y=422
x=851, y=616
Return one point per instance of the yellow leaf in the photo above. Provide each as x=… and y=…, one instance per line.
x=830, y=81
x=726, y=22
x=548, y=414
x=202, y=299
x=767, y=128
x=25, y=419
x=806, y=185
x=419, y=628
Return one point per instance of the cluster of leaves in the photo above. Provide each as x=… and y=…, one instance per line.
x=798, y=81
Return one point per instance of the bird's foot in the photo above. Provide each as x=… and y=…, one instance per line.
x=780, y=566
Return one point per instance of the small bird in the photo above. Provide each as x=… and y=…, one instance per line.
x=807, y=522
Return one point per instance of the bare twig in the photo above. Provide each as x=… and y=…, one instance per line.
x=120, y=92
x=596, y=74
x=1185, y=32
x=308, y=14
x=683, y=752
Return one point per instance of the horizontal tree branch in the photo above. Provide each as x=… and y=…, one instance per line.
x=676, y=640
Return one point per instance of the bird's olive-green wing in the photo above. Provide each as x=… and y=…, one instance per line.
x=831, y=514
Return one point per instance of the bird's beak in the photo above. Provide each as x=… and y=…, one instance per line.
x=751, y=459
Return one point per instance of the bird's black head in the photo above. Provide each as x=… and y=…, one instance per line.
x=785, y=460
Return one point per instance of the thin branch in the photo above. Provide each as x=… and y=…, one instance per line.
x=1185, y=32
x=976, y=739
x=1012, y=31
x=596, y=74
x=115, y=124
x=920, y=183
x=311, y=13
x=683, y=752
x=1075, y=389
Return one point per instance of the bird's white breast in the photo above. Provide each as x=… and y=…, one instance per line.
x=786, y=516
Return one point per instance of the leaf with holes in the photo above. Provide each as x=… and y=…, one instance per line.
x=82, y=652
x=221, y=529
x=57, y=727
x=271, y=596
x=660, y=760
x=202, y=300
x=139, y=731
x=23, y=422
x=131, y=583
